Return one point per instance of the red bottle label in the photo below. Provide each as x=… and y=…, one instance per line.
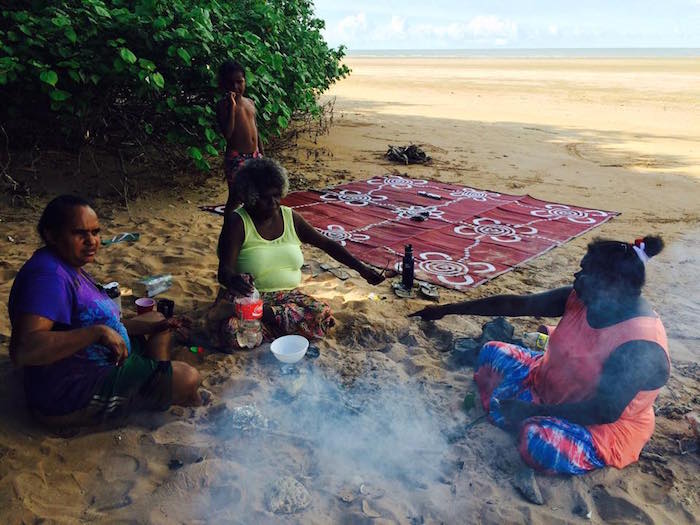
x=250, y=311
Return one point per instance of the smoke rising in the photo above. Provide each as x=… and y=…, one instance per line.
x=376, y=440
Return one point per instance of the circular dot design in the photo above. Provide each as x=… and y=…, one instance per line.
x=495, y=230
x=444, y=267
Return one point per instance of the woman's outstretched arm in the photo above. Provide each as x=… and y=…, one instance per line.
x=546, y=304
x=308, y=234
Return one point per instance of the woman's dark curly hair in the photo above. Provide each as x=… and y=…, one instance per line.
x=619, y=264
x=257, y=175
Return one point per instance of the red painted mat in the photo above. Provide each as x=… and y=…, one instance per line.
x=464, y=238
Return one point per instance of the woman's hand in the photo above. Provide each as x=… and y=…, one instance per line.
x=112, y=340
x=240, y=284
x=371, y=276
x=430, y=313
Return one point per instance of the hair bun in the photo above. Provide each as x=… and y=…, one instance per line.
x=653, y=244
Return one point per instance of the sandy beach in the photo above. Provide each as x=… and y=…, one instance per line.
x=374, y=429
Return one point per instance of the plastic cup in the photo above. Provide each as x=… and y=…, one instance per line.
x=145, y=305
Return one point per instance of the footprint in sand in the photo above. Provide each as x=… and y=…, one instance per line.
x=7, y=273
x=412, y=368
x=573, y=149
x=114, y=495
x=654, y=488
x=186, y=454
x=189, y=482
x=119, y=466
x=616, y=510
x=190, y=494
x=43, y=493
x=203, y=247
x=440, y=338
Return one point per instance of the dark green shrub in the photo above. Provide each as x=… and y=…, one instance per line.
x=114, y=72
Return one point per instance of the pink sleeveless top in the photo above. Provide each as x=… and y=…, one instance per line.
x=570, y=370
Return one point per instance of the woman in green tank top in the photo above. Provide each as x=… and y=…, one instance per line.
x=261, y=242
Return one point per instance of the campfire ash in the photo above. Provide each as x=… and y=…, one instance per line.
x=356, y=443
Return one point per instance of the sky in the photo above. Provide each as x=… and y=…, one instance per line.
x=510, y=24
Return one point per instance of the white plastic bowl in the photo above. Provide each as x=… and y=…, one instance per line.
x=290, y=348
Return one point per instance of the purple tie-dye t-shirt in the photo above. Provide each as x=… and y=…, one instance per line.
x=48, y=287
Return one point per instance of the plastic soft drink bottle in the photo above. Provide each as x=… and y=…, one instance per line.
x=249, y=310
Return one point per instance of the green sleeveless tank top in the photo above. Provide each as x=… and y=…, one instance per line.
x=275, y=265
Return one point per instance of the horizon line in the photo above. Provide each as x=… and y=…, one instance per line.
x=513, y=48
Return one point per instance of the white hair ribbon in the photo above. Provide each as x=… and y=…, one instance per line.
x=641, y=253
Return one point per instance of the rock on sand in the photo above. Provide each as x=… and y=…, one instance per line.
x=287, y=496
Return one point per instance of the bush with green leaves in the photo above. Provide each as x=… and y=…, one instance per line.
x=115, y=72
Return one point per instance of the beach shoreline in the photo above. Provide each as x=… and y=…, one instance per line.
x=534, y=52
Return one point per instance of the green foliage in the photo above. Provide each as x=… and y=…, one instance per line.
x=146, y=71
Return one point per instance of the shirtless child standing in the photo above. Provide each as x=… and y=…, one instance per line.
x=235, y=115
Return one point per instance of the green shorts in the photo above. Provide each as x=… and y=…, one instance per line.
x=140, y=383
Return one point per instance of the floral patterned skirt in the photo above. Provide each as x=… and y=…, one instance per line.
x=293, y=312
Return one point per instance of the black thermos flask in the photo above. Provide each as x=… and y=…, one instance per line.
x=407, y=268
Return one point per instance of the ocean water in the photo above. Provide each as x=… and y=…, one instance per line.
x=528, y=53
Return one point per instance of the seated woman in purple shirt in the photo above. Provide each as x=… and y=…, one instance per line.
x=81, y=363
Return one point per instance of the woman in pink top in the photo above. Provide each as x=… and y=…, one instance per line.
x=587, y=402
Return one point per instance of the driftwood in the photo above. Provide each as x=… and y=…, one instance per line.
x=407, y=154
